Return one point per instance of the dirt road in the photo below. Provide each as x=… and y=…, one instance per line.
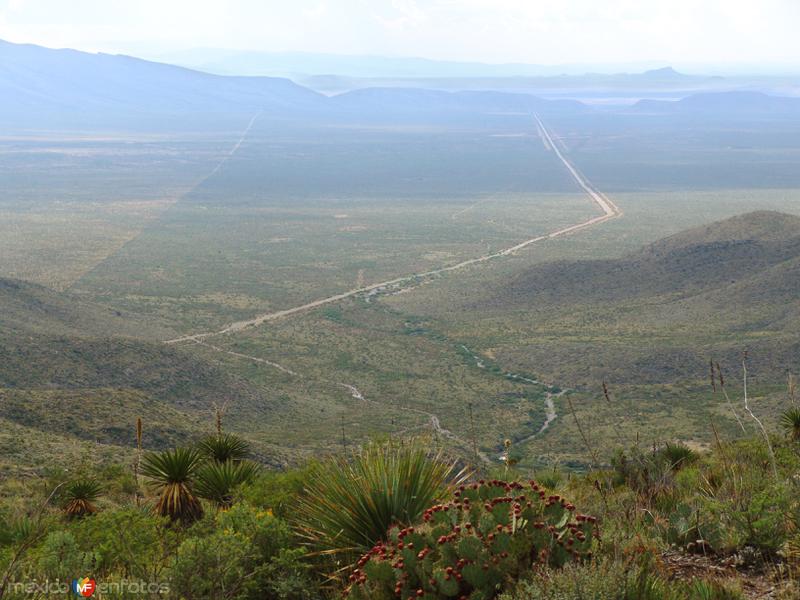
x=610, y=211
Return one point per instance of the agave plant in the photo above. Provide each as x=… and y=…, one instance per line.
x=217, y=481
x=79, y=497
x=171, y=474
x=349, y=505
x=224, y=447
x=791, y=423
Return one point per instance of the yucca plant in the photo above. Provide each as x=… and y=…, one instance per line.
x=791, y=423
x=678, y=456
x=171, y=474
x=79, y=497
x=348, y=505
x=218, y=481
x=224, y=447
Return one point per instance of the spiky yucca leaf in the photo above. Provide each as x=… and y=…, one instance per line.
x=218, y=481
x=224, y=447
x=349, y=505
x=791, y=423
x=79, y=497
x=171, y=473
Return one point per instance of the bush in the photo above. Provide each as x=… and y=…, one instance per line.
x=130, y=541
x=61, y=557
x=615, y=581
x=589, y=581
x=473, y=547
x=248, y=555
x=751, y=507
x=278, y=491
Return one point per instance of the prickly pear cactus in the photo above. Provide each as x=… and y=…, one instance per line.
x=490, y=534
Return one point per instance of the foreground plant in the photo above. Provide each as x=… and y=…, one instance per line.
x=349, y=505
x=218, y=481
x=79, y=497
x=475, y=546
x=171, y=474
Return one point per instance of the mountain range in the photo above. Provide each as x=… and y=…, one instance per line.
x=44, y=89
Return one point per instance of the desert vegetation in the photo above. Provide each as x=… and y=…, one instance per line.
x=402, y=518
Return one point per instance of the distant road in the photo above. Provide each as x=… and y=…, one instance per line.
x=610, y=211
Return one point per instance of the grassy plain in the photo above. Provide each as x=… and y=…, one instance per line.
x=68, y=202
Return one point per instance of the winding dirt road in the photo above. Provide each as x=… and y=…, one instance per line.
x=610, y=211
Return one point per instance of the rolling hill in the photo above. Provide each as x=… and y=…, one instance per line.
x=659, y=314
x=692, y=262
x=77, y=370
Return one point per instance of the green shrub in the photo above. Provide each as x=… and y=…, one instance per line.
x=616, y=581
x=588, y=581
x=213, y=567
x=247, y=555
x=751, y=507
x=61, y=557
x=130, y=541
x=475, y=546
x=278, y=491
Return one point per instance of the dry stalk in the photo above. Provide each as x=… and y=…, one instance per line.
x=711, y=373
x=756, y=419
x=592, y=453
x=472, y=435
x=727, y=398
x=138, y=463
x=607, y=396
x=219, y=412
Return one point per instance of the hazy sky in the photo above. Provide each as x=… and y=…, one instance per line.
x=534, y=31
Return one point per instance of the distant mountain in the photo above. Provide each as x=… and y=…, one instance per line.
x=293, y=64
x=722, y=103
x=399, y=102
x=665, y=73
x=654, y=83
x=43, y=87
